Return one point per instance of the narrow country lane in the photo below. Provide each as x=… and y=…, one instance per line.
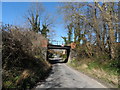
x=63, y=76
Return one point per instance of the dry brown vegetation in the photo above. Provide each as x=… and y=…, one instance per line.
x=94, y=28
x=23, y=60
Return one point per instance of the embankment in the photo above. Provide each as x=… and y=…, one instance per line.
x=23, y=59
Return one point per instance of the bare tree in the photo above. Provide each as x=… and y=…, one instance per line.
x=34, y=15
x=99, y=30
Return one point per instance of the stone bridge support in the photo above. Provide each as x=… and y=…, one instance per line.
x=68, y=54
x=72, y=54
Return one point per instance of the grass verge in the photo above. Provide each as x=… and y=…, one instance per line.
x=102, y=72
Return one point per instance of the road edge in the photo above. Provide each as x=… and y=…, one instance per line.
x=102, y=82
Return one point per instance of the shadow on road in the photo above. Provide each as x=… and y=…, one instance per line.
x=55, y=61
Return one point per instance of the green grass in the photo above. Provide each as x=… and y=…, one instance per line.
x=108, y=69
x=93, y=64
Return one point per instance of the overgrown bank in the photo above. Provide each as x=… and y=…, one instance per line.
x=93, y=28
x=108, y=76
x=99, y=66
x=23, y=61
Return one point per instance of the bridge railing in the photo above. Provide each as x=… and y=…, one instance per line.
x=61, y=43
x=54, y=42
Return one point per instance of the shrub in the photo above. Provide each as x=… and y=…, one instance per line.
x=19, y=49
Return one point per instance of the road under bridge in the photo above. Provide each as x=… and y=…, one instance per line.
x=67, y=48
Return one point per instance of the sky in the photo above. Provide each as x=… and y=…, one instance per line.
x=14, y=12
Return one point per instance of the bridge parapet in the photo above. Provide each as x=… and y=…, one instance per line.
x=58, y=47
x=61, y=43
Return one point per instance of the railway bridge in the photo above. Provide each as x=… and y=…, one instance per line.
x=67, y=48
x=58, y=46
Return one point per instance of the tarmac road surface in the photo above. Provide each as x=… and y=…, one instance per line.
x=63, y=76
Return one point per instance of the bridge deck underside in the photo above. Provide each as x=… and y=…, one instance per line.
x=58, y=47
